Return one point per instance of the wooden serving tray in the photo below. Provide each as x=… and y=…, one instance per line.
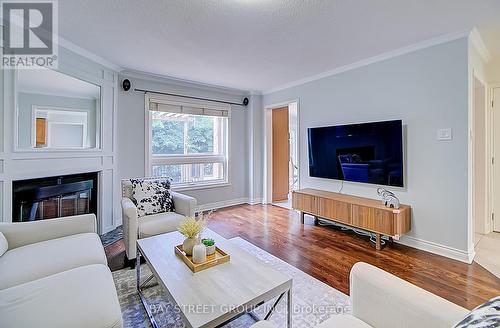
x=218, y=257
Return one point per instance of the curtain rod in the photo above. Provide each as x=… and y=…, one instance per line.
x=244, y=103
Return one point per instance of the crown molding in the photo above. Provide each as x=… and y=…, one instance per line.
x=478, y=43
x=87, y=54
x=183, y=82
x=378, y=58
x=20, y=90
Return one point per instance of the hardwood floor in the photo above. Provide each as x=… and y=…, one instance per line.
x=115, y=253
x=328, y=254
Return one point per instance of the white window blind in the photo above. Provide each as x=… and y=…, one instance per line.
x=172, y=104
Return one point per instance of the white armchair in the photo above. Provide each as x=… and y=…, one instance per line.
x=380, y=299
x=135, y=227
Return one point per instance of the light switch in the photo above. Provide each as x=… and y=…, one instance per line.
x=444, y=134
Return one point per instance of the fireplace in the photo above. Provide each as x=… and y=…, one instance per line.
x=53, y=197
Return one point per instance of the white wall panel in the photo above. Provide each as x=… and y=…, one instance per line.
x=44, y=167
x=2, y=195
x=2, y=109
x=35, y=164
x=106, y=200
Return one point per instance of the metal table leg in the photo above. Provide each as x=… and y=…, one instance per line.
x=267, y=315
x=145, y=304
x=289, y=308
x=138, y=269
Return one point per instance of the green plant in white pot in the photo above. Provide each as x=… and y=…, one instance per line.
x=210, y=245
x=191, y=229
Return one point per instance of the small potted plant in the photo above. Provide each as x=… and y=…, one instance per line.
x=191, y=229
x=210, y=245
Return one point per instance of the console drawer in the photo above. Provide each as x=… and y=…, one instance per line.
x=373, y=219
x=335, y=210
x=305, y=203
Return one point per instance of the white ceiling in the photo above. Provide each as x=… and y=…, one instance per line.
x=260, y=44
x=49, y=82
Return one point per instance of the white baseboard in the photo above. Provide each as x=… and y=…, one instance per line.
x=222, y=204
x=438, y=249
x=116, y=223
x=471, y=256
x=107, y=229
x=227, y=203
x=255, y=201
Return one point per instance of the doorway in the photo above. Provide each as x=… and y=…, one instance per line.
x=282, y=154
x=495, y=165
x=487, y=231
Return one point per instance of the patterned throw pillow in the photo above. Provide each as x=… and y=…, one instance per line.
x=152, y=196
x=484, y=316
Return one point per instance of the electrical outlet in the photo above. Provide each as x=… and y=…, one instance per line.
x=444, y=134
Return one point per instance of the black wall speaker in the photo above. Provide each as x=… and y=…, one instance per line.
x=126, y=84
x=245, y=101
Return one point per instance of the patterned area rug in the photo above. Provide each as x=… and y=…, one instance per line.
x=112, y=236
x=313, y=301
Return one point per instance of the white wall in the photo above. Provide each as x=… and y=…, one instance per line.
x=131, y=135
x=255, y=137
x=480, y=165
x=493, y=71
x=428, y=90
x=292, y=128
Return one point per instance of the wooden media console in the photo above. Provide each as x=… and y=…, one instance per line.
x=358, y=212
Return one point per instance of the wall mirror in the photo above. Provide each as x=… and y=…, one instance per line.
x=56, y=111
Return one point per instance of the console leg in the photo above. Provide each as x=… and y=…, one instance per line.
x=316, y=220
x=302, y=217
x=378, y=244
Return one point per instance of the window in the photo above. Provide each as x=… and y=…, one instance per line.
x=187, y=141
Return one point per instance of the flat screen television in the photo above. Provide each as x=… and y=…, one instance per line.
x=367, y=152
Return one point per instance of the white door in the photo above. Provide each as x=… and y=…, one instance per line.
x=496, y=154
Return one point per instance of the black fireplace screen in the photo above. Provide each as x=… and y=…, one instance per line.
x=54, y=197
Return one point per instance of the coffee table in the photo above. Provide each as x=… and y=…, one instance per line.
x=215, y=296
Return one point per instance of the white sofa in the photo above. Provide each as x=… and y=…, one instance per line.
x=135, y=227
x=382, y=300
x=55, y=274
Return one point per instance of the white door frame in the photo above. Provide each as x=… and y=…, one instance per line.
x=494, y=226
x=484, y=203
x=268, y=148
x=470, y=160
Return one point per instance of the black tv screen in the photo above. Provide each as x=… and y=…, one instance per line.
x=367, y=152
